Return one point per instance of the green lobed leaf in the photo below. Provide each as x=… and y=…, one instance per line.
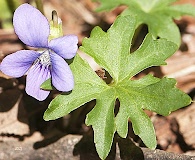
x=150, y=53
x=111, y=56
x=142, y=125
x=147, y=93
x=102, y=120
x=156, y=92
x=176, y=11
x=158, y=15
x=111, y=50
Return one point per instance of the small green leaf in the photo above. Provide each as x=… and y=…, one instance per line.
x=47, y=85
x=158, y=15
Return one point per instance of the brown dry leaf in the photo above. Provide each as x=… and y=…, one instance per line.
x=186, y=121
x=164, y=134
x=9, y=123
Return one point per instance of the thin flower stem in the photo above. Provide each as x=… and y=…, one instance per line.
x=39, y=5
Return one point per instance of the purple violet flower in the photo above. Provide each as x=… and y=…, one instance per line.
x=33, y=30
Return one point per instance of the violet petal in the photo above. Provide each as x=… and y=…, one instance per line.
x=65, y=46
x=61, y=75
x=36, y=76
x=18, y=63
x=31, y=26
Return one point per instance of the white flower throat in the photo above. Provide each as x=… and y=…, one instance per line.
x=44, y=59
